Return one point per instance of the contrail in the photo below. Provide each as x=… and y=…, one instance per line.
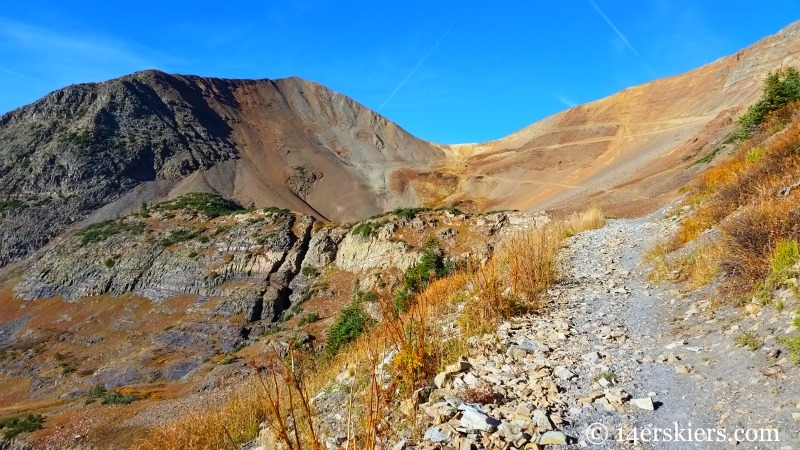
x=413, y=70
x=621, y=36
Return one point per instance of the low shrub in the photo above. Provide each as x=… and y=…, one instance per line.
x=310, y=272
x=17, y=425
x=780, y=87
x=11, y=204
x=111, y=397
x=366, y=230
x=750, y=340
x=351, y=322
x=431, y=265
x=309, y=317
x=100, y=231
x=210, y=205
x=408, y=213
x=178, y=235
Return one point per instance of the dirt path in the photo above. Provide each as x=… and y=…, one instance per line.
x=618, y=362
x=677, y=349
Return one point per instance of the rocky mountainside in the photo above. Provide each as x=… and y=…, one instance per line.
x=157, y=230
x=171, y=292
x=631, y=151
x=94, y=151
x=104, y=149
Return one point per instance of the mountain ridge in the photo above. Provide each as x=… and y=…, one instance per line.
x=93, y=151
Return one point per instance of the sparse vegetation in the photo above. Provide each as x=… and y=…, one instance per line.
x=275, y=211
x=230, y=359
x=749, y=198
x=177, y=235
x=17, y=425
x=210, y=205
x=431, y=265
x=792, y=345
x=408, y=213
x=750, y=340
x=111, y=397
x=222, y=229
x=366, y=229
x=263, y=238
x=780, y=88
x=309, y=317
x=607, y=375
x=77, y=138
x=11, y=204
x=310, y=272
x=782, y=261
x=100, y=231
x=351, y=322
x=423, y=347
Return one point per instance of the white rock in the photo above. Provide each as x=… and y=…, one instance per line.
x=553, y=438
x=645, y=403
x=563, y=373
x=436, y=434
x=541, y=420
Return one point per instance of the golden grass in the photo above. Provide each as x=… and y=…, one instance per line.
x=741, y=197
x=218, y=425
x=509, y=283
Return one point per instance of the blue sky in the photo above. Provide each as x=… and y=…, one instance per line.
x=447, y=71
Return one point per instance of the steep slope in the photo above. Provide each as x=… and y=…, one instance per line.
x=628, y=151
x=100, y=150
x=106, y=148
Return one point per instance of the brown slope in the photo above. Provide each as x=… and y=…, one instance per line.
x=628, y=151
x=305, y=147
x=98, y=150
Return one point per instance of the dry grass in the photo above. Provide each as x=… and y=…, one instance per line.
x=745, y=198
x=217, y=426
x=512, y=281
x=278, y=393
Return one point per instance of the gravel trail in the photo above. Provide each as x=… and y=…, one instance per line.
x=618, y=362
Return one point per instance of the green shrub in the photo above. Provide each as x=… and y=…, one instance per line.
x=351, y=322
x=16, y=425
x=782, y=261
x=82, y=138
x=263, y=239
x=230, y=359
x=368, y=296
x=708, y=157
x=408, y=213
x=110, y=397
x=366, y=229
x=110, y=262
x=210, y=205
x=754, y=155
x=310, y=271
x=275, y=211
x=452, y=210
x=431, y=265
x=792, y=345
x=780, y=88
x=222, y=229
x=309, y=317
x=750, y=340
x=100, y=231
x=11, y=204
x=181, y=235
